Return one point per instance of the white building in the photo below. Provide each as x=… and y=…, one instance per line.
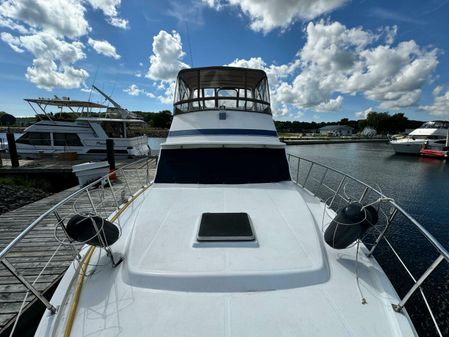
x=336, y=130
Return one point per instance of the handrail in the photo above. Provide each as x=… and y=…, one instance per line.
x=443, y=254
x=114, y=204
x=18, y=238
x=443, y=251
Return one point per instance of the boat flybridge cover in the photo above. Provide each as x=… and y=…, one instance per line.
x=64, y=102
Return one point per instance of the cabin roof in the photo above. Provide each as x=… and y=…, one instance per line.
x=221, y=77
x=99, y=119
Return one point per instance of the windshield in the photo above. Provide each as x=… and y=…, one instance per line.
x=222, y=88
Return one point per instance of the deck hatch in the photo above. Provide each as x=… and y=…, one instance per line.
x=225, y=227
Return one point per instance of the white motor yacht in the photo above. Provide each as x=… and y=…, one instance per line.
x=227, y=241
x=428, y=132
x=86, y=135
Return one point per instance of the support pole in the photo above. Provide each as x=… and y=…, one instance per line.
x=12, y=149
x=111, y=158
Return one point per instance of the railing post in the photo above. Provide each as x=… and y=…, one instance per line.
x=91, y=201
x=297, y=171
x=363, y=194
x=308, y=173
x=61, y=223
x=28, y=285
x=381, y=235
x=113, y=193
x=126, y=181
x=324, y=176
x=398, y=307
x=147, y=165
x=337, y=190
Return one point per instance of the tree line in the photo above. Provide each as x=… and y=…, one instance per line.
x=382, y=122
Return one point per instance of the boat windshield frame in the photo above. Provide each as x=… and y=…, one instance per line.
x=221, y=88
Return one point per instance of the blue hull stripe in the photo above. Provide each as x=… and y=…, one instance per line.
x=220, y=132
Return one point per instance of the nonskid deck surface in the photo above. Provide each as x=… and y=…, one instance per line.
x=168, y=286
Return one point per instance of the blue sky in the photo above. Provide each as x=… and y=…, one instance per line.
x=326, y=59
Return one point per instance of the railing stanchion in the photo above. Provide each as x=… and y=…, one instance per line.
x=324, y=176
x=381, y=235
x=297, y=170
x=28, y=285
x=91, y=201
x=337, y=191
x=113, y=193
x=308, y=173
x=398, y=307
x=147, y=171
x=126, y=182
x=363, y=194
x=61, y=223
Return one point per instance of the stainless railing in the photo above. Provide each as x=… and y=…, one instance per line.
x=102, y=197
x=318, y=178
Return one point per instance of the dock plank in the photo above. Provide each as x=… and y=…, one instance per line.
x=33, y=252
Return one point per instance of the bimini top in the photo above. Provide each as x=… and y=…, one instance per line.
x=220, y=88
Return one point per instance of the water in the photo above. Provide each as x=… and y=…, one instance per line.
x=421, y=187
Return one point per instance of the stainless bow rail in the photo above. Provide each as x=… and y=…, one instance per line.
x=101, y=197
x=317, y=178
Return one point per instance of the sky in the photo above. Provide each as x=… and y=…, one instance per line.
x=325, y=59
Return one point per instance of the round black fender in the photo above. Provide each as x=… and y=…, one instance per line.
x=81, y=228
x=350, y=223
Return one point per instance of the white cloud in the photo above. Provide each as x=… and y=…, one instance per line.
x=60, y=17
x=440, y=105
x=134, y=90
x=119, y=22
x=52, y=66
x=12, y=41
x=334, y=61
x=50, y=30
x=8, y=23
x=340, y=60
x=110, y=9
x=363, y=114
x=165, y=62
x=334, y=104
x=46, y=74
x=103, y=47
x=266, y=15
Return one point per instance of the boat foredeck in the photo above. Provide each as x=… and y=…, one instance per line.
x=131, y=299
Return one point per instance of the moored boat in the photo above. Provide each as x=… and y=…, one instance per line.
x=86, y=135
x=429, y=132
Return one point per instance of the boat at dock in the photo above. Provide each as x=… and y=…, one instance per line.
x=233, y=237
x=86, y=135
x=430, y=132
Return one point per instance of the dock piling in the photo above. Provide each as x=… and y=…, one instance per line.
x=12, y=149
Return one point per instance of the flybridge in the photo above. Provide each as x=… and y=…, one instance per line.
x=221, y=88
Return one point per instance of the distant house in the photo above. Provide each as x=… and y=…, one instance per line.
x=336, y=130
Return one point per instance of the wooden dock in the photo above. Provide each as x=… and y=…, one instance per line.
x=30, y=256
